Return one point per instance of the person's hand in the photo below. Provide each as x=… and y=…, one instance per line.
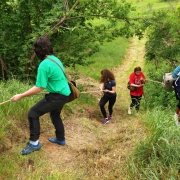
x=16, y=97
x=142, y=81
x=106, y=90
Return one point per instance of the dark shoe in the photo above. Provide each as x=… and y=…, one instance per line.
x=106, y=120
x=54, y=140
x=31, y=148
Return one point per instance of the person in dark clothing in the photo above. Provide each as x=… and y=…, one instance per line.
x=176, y=85
x=108, y=86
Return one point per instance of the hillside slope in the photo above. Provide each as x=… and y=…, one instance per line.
x=93, y=150
x=86, y=135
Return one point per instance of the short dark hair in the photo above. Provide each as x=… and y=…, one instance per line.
x=137, y=69
x=43, y=47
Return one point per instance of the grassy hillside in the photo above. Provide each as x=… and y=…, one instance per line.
x=110, y=56
x=141, y=146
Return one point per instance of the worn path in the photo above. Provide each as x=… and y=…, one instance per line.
x=109, y=144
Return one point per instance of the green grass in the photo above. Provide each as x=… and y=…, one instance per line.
x=146, y=7
x=12, y=109
x=155, y=4
x=110, y=56
x=157, y=157
x=13, y=114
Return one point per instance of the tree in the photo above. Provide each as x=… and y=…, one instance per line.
x=163, y=44
x=75, y=27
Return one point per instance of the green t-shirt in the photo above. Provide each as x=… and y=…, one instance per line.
x=51, y=77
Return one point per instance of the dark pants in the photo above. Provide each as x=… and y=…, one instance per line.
x=52, y=103
x=102, y=103
x=176, y=85
x=135, y=102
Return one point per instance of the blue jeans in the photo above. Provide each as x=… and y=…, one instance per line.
x=52, y=103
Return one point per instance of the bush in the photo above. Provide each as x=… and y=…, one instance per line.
x=155, y=94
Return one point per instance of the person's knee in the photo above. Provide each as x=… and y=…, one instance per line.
x=32, y=114
x=101, y=104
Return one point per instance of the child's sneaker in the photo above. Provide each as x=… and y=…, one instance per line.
x=110, y=117
x=31, y=148
x=54, y=140
x=129, y=111
x=106, y=120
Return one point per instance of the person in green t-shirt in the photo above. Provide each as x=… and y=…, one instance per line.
x=51, y=78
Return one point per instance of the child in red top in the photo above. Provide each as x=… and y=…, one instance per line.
x=136, y=79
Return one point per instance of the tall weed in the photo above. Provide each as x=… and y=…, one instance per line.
x=157, y=156
x=13, y=114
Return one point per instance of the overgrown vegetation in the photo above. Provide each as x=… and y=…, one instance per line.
x=155, y=156
x=108, y=57
x=163, y=38
x=69, y=24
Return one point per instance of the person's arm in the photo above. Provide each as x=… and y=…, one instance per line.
x=30, y=92
x=101, y=86
x=132, y=79
x=113, y=91
x=135, y=85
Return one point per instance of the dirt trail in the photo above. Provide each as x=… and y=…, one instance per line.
x=85, y=130
x=134, y=57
